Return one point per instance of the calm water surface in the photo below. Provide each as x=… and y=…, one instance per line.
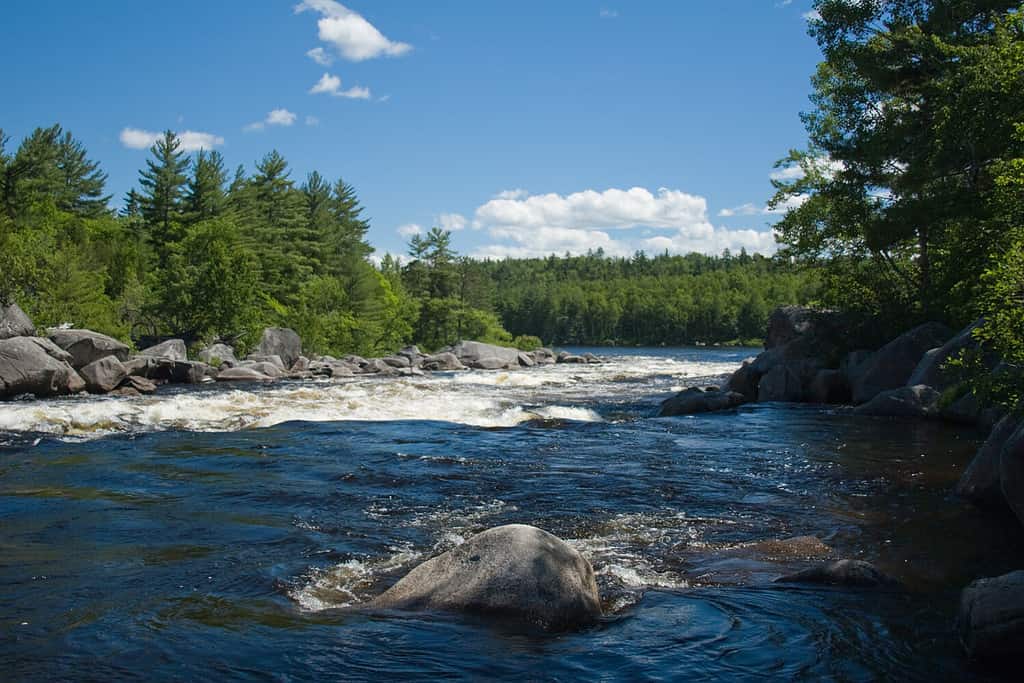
x=233, y=533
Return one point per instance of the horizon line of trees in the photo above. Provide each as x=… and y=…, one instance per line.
x=205, y=254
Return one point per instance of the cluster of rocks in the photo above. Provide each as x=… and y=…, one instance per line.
x=69, y=361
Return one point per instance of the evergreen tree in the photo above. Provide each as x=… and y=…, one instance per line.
x=205, y=198
x=163, y=186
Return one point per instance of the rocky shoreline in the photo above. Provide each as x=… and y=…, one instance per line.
x=72, y=361
x=810, y=358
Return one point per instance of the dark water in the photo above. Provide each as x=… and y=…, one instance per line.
x=179, y=554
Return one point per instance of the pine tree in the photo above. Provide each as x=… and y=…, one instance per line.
x=205, y=197
x=163, y=184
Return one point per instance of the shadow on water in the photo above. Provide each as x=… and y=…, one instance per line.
x=198, y=555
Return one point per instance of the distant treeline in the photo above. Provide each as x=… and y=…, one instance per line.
x=205, y=254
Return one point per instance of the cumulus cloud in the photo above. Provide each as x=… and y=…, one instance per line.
x=191, y=141
x=409, y=229
x=537, y=225
x=275, y=117
x=606, y=13
x=451, y=221
x=329, y=84
x=349, y=33
x=747, y=209
x=320, y=56
x=511, y=194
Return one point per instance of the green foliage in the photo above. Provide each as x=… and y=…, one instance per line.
x=527, y=342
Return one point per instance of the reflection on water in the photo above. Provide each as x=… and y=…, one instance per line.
x=235, y=551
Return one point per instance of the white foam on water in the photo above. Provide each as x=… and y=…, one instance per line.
x=350, y=582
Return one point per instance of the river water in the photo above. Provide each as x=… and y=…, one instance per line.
x=228, y=532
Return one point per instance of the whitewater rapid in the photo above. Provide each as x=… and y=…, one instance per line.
x=477, y=398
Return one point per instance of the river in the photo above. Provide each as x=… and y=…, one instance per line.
x=232, y=533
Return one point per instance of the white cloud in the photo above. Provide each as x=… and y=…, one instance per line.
x=280, y=117
x=789, y=203
x=191, y=141
x=349, y=33
x=320, y=56
x=330, y=84
x=511, y=194
x=747, y=209
x=787, y=173
x=451, y=221
x=409, y=229
x=813, y=15
x=608, y=13
x=538, y=225
x=312, y=121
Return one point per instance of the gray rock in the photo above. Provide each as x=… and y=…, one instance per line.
x=376, y=366
x=918, y=401
x=330, y=368
x=526, y=360
x=1011, y=471
x=514, y=572
x=930, y=369
x=841, y=573
x=300, y=366
x=52, y=349
x=591, y=358
x=829, y=386
x=543, y=356
x=86, y=346
x=398, y=362
x=170, y=371
x=218, y=355
x=172, y=348
x=27, y=368
x=480, y=356
x=442, y=362
x=265, y=368
x=991, y=619
x=787, y=381
x=14, y=322
x=566, y=357
x=745, y=380
x=140, y=385
x=283, y=342
x=697, y=400
x=980, y=482
x=891, y=366
x=271, y=358
x=104, y=375
x=242, y=375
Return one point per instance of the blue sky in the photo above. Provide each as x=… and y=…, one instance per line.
x=527, y=128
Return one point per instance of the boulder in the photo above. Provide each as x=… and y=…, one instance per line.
x=829, y=386
x=841, y=573
x=104, y=375
x=265, y=368
x=300, y=366
x=171, y=371
x=697, y=400
x=980, y=482
x=219, y=356
x=745, y=380
x=283, y=342
x=27, y=368
x=566, y=357
x=515, y=572
x=787, y=381
x=442, y=362
x=930, y=369
x=330, y=368
x=1011, y=471
x=52, y=349
x=140, y=385
x=14, y=322
x=480, y=356
x=543, y=356
x=891, y=366
x=414, y=355
x=591, y=358
x=271, y=358
x=991, y=619
x=172, y=348
x=398, y=362
x=526, y=360
x=242, y=375
x=376, y=366
x=86, y=346
x=917, y=401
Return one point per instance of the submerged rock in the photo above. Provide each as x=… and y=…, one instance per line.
x=841, y=573
x=697, y=400
x=991, y=619
x=86, y=346
x=27, y=368
x=172, y=348
x=515, y=572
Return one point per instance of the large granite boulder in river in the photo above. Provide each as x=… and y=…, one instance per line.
x=892, y=365
x=27, y=367
x=14, y=322
x=841, y=573
x=86, y=346
x=697, y=400
x=219, y=356
x=246, y=374
x=172, y=348
x=480, y=356
x=104, y=375
x=515, y=572
x=991, y=617
x=916, y=401
x=930, y=369
x=283, y=342
x=441, y=362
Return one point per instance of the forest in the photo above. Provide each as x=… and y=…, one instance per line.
x=201, y=253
